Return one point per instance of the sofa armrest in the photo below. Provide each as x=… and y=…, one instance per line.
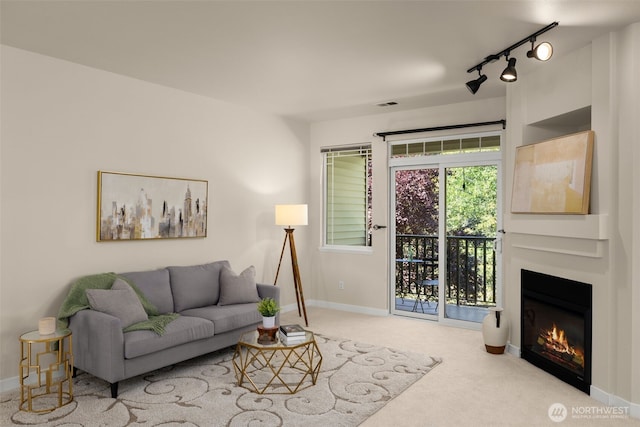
x=98, y=344
x=269, y=291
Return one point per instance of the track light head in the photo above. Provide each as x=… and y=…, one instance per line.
x=474, y=85
x=510, y=74
x=542, y=52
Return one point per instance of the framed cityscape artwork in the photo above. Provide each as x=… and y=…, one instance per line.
x=554, y=176
x=143, y=207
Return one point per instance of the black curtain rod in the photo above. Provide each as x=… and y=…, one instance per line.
x=384, y=135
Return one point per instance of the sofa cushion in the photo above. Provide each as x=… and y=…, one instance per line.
x=238, y=288
x=196, y=286
x=227, y=317
x=120, y=301
x=182, y=330
x=155, y=285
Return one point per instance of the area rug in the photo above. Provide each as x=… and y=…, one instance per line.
x=355, y=381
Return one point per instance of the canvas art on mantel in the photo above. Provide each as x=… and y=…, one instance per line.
x=140, y=207
x=554, y=176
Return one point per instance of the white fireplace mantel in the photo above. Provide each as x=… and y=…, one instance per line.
x=561, y=232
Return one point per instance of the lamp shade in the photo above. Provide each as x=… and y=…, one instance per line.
x=291, y=215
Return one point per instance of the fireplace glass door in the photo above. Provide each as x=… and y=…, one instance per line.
x=556, y=326
x=555, y=334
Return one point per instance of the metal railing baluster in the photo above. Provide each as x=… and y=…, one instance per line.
x=471, y=268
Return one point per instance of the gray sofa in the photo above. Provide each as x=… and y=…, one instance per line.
x=214, y=310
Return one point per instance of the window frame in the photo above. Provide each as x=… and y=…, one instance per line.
x=366, y=148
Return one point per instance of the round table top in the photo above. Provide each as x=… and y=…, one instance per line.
x=35, y=336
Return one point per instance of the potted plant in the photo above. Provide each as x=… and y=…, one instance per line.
x=268, y=307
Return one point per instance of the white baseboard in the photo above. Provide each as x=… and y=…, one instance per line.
x=613, y=400
x=513, y=350
x=347, y=307
x=9, y=384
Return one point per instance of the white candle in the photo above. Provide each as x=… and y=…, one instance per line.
x=47, y=325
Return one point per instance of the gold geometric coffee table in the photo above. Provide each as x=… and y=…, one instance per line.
x=276, y=368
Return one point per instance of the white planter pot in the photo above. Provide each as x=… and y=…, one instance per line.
x=495, y=331
x=268, y=322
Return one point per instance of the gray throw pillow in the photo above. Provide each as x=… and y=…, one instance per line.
x=120, y=301
x=155, y=286
x=196, y=285
x=238, y=289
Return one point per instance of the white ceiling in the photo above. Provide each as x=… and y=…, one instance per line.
x=308, y=60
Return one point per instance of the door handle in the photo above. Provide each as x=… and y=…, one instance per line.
x=378, y=227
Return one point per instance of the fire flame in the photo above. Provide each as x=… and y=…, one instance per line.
x=557, y=341
x=560, y=341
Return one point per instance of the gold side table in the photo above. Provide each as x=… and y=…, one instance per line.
x=46, y=367
x=276, y=368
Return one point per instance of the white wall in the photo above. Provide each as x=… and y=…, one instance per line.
x=366, y=276
x=624, y=55
x=633, y=125
x=62, y=122
x=602, y=248
x=598, y=76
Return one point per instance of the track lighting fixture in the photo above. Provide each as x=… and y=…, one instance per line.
x=541, y=52
x=474, y=85
x=509, y=74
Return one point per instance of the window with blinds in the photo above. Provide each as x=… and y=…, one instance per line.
x=347, y=196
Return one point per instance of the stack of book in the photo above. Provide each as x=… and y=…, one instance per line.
x=292, y=334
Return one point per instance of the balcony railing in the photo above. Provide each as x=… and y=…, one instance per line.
x=470, y=272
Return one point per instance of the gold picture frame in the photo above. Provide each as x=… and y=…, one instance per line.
x=145, y=207
x=554, y=176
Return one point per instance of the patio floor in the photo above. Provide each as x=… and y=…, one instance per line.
x=453, y=311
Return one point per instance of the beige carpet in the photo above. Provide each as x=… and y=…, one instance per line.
x=471, y=387
x=355, y=381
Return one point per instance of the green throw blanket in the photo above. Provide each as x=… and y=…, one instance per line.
x=77, y=300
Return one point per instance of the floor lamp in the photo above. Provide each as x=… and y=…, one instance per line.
x=289, y=215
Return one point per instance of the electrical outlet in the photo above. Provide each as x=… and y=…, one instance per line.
x=340, y=284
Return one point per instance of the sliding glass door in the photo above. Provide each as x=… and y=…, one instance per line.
x=470, y=241
x=444, y=256
x=416, y=248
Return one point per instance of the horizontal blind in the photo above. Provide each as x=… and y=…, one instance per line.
x=346, y=195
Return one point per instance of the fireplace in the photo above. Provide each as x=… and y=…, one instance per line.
x=556, y=326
